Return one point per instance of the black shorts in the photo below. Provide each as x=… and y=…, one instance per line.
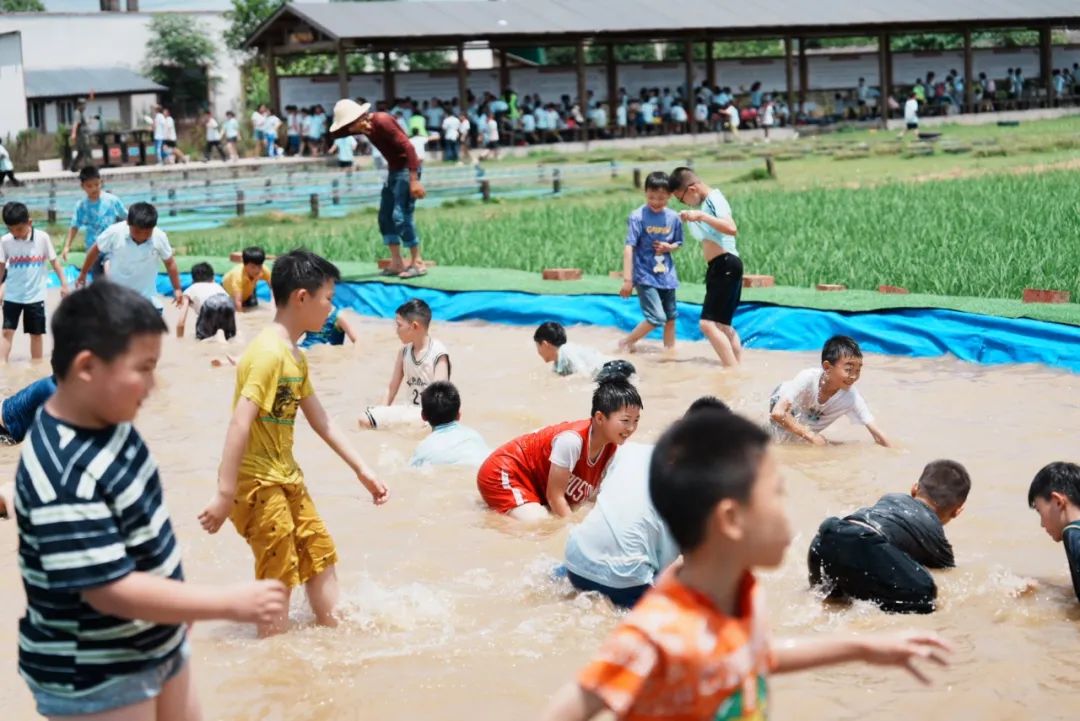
x=33, y=315
x=217, y=313
x=252, y=301
x=912, y=126
x=169, y=143
x=723, y=288
x=492, y=146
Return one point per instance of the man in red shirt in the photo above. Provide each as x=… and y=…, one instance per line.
x=402, y=188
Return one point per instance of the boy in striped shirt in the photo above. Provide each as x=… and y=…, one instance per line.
x=105, y=631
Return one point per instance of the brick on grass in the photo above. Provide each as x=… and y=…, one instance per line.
x=758, y=281
x=561, y=274
x=892, y=290
x=1036, y=295
x=615, y=274
x=830, y=286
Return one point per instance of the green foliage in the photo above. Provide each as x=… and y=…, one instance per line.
x=178, y=41
x=245, y=16
x=21, y=6
x=256, y=86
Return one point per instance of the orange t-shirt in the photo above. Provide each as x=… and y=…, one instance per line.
x=676, y=657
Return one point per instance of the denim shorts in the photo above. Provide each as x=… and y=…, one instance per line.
x=657, y=304
x=117, y=692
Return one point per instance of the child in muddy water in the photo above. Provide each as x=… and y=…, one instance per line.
x=1055, y=496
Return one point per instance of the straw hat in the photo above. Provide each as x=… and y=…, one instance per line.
x=346, y=112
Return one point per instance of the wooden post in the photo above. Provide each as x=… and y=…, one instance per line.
x=485, y=190
x=206, y=187
x=889, y=84
x=637, y=178
x=462, y=80
x=314, y=205
x=1046, y=64
x=710, y=65
x=335, y=192
x=969, y=74
x=267, y=192
x=52, y=195
x=142, y=149
x=240, y=204
x=883, y=79
x=51, y=215
x=804, y=73
x=582, y=91
x=272, y=77
x=789, y=69
x=342, y=71
x=153, y=192
x=389, y=91
x=172, y=201
x=556, y=181
x=504, y=73
x=612, y=87
x=348, y=180
x=689, y=57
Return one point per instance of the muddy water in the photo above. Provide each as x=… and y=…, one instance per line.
x=452, y=614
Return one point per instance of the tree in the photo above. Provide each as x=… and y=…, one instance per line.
x=245, y=16
x=180, y=55
x=21, y=6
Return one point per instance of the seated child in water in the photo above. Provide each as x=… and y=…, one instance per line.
x=334, y=331
x=17, y=411
x=1055, y=496
x=450, y=443
x=881, y=553
x=554, y=469
x=422, y=361
x=697, y=646
x=622, y=546
x=809, y=403
x=214, y=309
x=571, y=358
x=240, y=282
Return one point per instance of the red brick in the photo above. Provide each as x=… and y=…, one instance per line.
x=830, y=286
x=1034, y=295
x=562, y=274
x=615, y=274
x=384, y=263
x=892, y=290
x=758, y=281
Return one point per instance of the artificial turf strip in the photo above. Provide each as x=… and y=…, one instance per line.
x=472, y=279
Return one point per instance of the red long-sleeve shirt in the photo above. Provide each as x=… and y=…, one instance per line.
x=390, y=139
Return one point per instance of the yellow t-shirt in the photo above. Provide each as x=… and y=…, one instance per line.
x=270, y=376
x=236, y=279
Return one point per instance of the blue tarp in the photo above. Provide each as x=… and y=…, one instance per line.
x=917, y=332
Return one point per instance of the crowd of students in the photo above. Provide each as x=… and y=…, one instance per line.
x=676, y=533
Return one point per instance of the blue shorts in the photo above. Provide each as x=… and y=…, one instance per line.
x=657, y=304
x=621, y=597
x=260, y=135
x=117, y=692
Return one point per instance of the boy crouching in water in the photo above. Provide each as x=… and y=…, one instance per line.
x=260, y=486
x=697, y=646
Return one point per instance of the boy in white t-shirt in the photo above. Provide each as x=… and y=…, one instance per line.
x=911, y=115
x=214, y=308
x=808, y=404
x=573, y=359
x=24, y=254
x=231, y=128
x=420, y=363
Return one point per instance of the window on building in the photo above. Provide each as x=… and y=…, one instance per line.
x=65, y=112
x=35, y=112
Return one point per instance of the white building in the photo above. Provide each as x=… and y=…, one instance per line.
x=12, y=85
x=114, y=97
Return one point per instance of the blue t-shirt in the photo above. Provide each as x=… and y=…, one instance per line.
x=94, y=218
x=329, y=334
x=644, y=227
x=451, y=444
x=716, y=205
x=90, y=511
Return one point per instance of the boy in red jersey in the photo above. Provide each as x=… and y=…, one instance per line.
x=561, y=466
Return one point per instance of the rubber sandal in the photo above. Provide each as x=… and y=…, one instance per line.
x=412, y=272
x=391, y=273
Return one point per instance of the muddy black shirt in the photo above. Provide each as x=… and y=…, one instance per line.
x=1070, y=537
x=911, y=526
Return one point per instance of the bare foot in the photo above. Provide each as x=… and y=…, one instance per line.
x=7, y=500
x=219, y=362
x=625, y=347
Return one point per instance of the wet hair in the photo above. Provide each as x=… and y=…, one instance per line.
x=89, y=172
x=840, y=346
x=680, y=178
x=710, y=403
x=440, y=403
x=202, y=273
x=415, y=310
x=613, y=395
x=946, y=484
x=551, y=332
x=300, y=269
x=102, y=318
x=1059, y=477
x=614, y=369
x=15, y=213
x=142, y=215
x=253, y=254
x=706, y=457
x=657, y=180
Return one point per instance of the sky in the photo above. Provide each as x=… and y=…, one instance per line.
x=74, y=6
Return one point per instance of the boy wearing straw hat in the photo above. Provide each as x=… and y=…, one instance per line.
x=402, y=188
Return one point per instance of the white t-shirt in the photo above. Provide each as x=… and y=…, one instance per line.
x=271, y=124
x=232, y=128
x=716, y=205
x=346, y=148
x=491, y=131
x=466, y=126
x=768, y=116
x=802, y=393
x=420, y=372
x=5, y=160
x=257, y=119
x=213, y=134
x=132, y=264
x=199, y=293
x=451, y=445
x=733, y=117
x=419, y=144
x=580, y=359
x=170, y=128
x=159, y=126
x=27, y=262
x=623, y=542
x=566, y=449
x=451, y=126
x=911, y=111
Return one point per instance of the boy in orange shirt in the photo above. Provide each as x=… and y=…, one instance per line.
x=697, y=646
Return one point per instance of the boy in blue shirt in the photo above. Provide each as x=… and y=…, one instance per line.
x=93, y=214
x=653, y=233
x=450, y=443
x=1055, y=496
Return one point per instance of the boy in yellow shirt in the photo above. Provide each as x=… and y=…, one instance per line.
x=240, y=282
x=260, y=486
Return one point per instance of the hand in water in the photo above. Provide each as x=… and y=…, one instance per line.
x=818, y=440
x=904, y=649
x=260, y=602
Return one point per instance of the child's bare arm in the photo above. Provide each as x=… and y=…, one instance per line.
x=573, y=703
x=174, y=278
x=558, y=482
x=627, y=271
x=327, y=430
x=782, y=416
x=900, y=650
x=724, y=225
x=60, y=276
x=395, y=380
x=185, y=304
x=442, y=369
x=72, y=232
x=145, y=597
x=236, y=439
x=347, y=328
x=92, y=254
x=879, y=437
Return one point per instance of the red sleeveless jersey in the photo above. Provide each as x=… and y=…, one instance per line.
x=533, y=453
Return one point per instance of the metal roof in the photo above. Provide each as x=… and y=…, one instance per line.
x=403, y=22
x=81, y=82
